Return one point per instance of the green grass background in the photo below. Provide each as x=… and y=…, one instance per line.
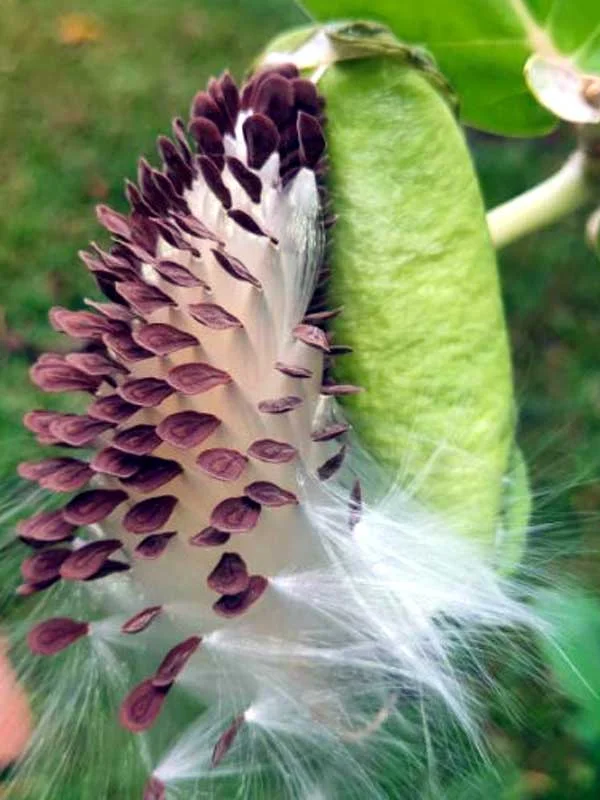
x=73, y=119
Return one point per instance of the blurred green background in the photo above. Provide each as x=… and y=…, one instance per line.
x=85, y=87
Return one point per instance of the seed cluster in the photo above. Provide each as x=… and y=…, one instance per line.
x=209, y=378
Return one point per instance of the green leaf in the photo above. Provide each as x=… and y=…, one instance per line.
x=482, y=47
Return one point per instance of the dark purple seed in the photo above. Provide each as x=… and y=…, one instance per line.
x=231, y=97
x=226, y=741
x=175, y=661
x=29, y=589
x=171, y=234
x=114, y=222
x=187, y=429
x=142, y=620
x=203, y=105
x=248, y=180
x=125, y=348
x=112, y=461
x=142, y=706
x=355, y=505
x=174, y=161
x=144, y=298
x=194, y=227
x=269, y=494
x=280, y=405
x=272, y=452
x=53, y=635
x=292, y=370
x=44, y=566
x=213, y=316
x=208, y=138
x=39, y=421
x=311, y=336
x=155, y=789
x=262, y=139
x=153, y=546
x=86, y=561
x=235, y=268
x=212, y=176
x=61, y=377
x=340, y=390
x=152, y=474
x=246, y=222
x=177, y=274
x=57, y=474
x=332, y=465
x=179, y=133
x=222, y=463
x=78, y=430
x=83, y=324
x=330, y=432
x=312, y=140
x=140, y=440
x=232, y=605
x=274, y=98
x=235, y=515
x=163, y=339
x=93, y=506
x=196, y=378
x=148, y=516
x=230, y=576
x=209, y=537
x=112, y=408
x=95, y=364
x=305, y=95
x=145, y=392
x=47, y=527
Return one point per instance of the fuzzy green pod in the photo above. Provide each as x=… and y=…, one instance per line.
x=414, y=268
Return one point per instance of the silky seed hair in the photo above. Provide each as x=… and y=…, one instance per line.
x=237, y=536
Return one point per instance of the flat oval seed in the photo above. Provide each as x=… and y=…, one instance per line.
x=143, y=298
x=138, y=440
x=142, y=706
x=44, y=566
x=330, y=432
x=196, y=378
x=175, y=661
x=88, y=560
x=232, y=605
x=280, y=405
x=163, y=339
x=261, y=137
x=152, y=474
x=53, y=635
x=213, y=316
x=226, y=741
x=153, y=546
x=312, y=336
x=332, y=465
x=292, y=370
x=146, y=392
x=148, y=516
x=272, y=452
x=235, y=515
x=112, y=461
x=177, y=274
x=187, y=429
x=112, y=408
x=230, y=576
x=209, y=537
x=222, y=463
x=47, y=527
x=269, y=494
x=93, y=506
x=140, y=621
x=235, y=268
x=79, y=431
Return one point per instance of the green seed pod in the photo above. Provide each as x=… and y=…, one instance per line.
x=414, y=268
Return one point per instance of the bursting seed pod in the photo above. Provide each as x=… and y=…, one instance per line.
x=222, y=521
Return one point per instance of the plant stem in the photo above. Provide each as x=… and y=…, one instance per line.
x=546, y=203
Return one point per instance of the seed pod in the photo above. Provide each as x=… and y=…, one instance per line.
x=414, y=268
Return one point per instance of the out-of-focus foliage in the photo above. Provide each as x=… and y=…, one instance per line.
x=76, y=110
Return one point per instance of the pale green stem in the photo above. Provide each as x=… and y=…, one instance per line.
x=546, y=203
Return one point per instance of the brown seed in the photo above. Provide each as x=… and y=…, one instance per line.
x=213, y=316
x=196, y=378
x=175, y=661
x=143, y=298
x=142, y=706
x=232, y=605
x=95, y=364
x=332, y=465
x=47, y=527
x=111, y=461
x=272, y=452
x=187, y=429
x=93, y=506
x=230, y=576
x=86, y=561
x=53, y=635
x=57, y=474
x=222, y=463
x=153, y=546
x=142, y=620
x=292, y=370
x=269, y=494
x=139, y=440
x=262, y=139
x=235, y=515
x=152, y=473
x=280, y=405
x=112, y=408
x=44, y=566
x=125, y=348
x=246, y=221
x=209, y=537
x=58, y=376
x=225, y=741
x=148, y=516
x=145, y=392
x=163, y=339
x=78, y=430
x=235, y=268
x=312, y=336
x=330, y=432
x=247, y=179
x=177, y=274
